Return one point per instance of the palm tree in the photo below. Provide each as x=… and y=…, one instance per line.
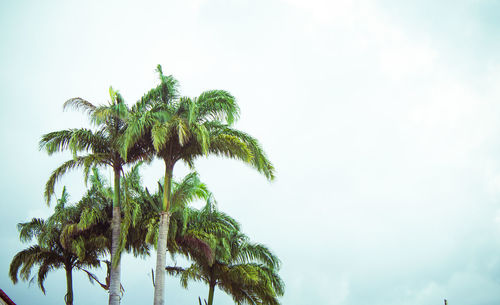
x=246, y=271
x=100, y=148
x=183, y=192
x=182, y=128
x=52, y=252
x=96, y=213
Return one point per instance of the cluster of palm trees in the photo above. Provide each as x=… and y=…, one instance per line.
x=127, y=217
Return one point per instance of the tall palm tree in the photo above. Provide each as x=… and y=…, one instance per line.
x=244, y=270
x=99, y=148
x=183, y=128
x=51, y=252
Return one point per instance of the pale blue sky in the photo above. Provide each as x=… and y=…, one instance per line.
x=380, y=116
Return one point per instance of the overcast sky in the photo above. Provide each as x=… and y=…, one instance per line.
x=381, y=117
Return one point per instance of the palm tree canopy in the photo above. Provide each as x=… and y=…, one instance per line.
x=96, y=210
x=100, y=147
x=183, y=192
x=50, y=251
x=183, y=128
x=246, y=271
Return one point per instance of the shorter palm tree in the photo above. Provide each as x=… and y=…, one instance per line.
x=96, y=209
x=244, y=270
x=183, y=192
x=53, y=252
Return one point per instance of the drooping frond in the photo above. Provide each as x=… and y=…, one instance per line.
x=93, y=278
x=160, y=134
x=257, y=159
x=229, y=146
x=87, y=162
x=139, y=124
x=31, y=229
x=44, y=269
x=174, y=270
x=251, y=284
x=28, y=258
x=79, y=103
x=218, y=105
x=75, y=140
x=91, y=216
x=192, y=273
x=258, y=253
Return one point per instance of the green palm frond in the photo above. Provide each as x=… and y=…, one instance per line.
x=217, y=105
x=160, y=134
x=246, y=271
x=27, y=257
x=139, y=125
x=193, y=272
x=44, y=269
x=78, y=103
x=75, y=140
x=93, y=278
x=189, y=189
x=87, y=162
x=259, y=160
x=175, y=271
x=257, y=252
x=31, y=229
x=229, y=146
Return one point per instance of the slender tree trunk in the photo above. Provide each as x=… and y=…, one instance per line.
x=114, y=278
x=161, y=248
x=211, y=293
x=69, y=286
x=159, y=296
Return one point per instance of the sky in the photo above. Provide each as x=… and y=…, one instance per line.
x=379, y=116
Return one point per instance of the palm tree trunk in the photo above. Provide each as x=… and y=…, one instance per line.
x=69, y=286
x=159, y=295
x=211, y=293
x=161, y=249
x=114, y=278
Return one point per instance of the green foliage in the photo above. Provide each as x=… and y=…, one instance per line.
x=51, y=250
x=93, y=148
x=246, y=271
x=164, y=125
x=183, y=128
x=150, y=205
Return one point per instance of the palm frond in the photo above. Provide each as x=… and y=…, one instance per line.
x=44, y=269
x=28, y=230
x=84, y=161
x=79, y=103
x=217, y=105
x=189, y=189
x=75, y=140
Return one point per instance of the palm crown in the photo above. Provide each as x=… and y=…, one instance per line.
x=101, y=147
x=52, y=251
x=245, y=270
